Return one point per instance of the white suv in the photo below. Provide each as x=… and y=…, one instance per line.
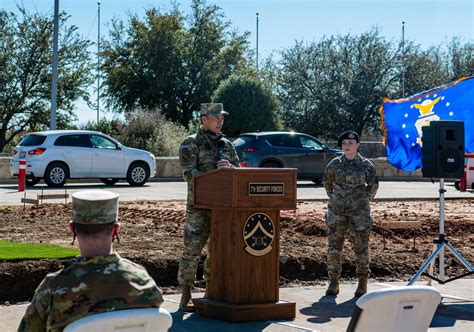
x=58, y=155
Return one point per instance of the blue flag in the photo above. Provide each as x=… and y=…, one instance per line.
x=402, y=120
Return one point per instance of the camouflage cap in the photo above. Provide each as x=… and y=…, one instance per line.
x=348, y=135
x=94, y=207
x=213, y=109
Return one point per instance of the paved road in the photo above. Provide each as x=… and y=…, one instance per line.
x=177, y=191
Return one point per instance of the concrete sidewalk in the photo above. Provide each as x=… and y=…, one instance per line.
x=314, y=311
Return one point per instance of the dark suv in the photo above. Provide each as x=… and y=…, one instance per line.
x=286, y=149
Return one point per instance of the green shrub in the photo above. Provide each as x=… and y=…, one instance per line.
x=168, y=136
x=251, y=106
x=109, y=127
x=8, y=148
x=139, y=130
x=149, y=130
x=146, y=130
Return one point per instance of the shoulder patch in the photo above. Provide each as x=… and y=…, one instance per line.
x=185, y=153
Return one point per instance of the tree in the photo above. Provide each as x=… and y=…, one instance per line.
x=424, y=69
x=251, y=106
x=460, y=58
x=335, y=84
x=25, y=73
x=437, y=65
x=171, y=62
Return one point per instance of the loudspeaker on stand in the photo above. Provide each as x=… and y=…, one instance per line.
x=443, y=149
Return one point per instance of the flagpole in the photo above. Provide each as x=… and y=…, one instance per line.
x=98, y=60
x=257, y=43
x=403, y=59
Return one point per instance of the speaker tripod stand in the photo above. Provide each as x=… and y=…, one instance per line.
x=439, y=251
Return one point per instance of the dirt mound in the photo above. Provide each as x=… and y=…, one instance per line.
x=152, y=233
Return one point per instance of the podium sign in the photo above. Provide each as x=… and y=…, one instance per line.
x=244, y=243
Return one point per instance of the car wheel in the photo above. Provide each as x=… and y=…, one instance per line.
x=271, y=165
x=138, y=174
x=457, y=185
x=317, y=181
x=30, y=182
x=56, y=175
x=109, y=182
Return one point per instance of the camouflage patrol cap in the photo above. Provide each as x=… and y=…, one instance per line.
x=213, y=109
x=94, y=207
x=347, y=135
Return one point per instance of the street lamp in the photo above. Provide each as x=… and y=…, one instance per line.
x=403, y=59
x=257, y=43
x=54, y=80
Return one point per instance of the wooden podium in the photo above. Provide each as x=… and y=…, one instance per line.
x=244, y=244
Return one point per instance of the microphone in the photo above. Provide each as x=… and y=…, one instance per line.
x=220, y=149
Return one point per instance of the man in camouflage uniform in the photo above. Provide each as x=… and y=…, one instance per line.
x=350, y=182
x=204, y=151
x=99, y=280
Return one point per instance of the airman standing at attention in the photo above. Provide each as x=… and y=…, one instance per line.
x=204, y=151
x=99, y=280
x=350, y=182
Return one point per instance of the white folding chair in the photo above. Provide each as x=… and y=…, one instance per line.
x=404, y=308
x=128, y=320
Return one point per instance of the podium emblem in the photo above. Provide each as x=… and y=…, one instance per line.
x=258, y=234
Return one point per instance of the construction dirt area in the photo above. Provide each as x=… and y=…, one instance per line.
x=152, y=233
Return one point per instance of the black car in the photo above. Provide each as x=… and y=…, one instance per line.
x=285, y=149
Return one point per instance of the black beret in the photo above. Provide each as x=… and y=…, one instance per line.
x=347, y=135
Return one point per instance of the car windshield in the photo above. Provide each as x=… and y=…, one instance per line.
x=32, y=140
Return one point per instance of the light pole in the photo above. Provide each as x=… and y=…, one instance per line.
x=257, y=43
x=98, y=60
x=54, y=80
x=403, y=59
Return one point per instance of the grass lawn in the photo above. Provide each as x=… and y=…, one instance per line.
x=15, y=250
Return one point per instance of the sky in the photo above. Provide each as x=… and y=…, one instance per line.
x=283, y=22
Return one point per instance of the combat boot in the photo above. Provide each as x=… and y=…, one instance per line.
x=361, y=287
x=333, y=288
x=185, y=298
